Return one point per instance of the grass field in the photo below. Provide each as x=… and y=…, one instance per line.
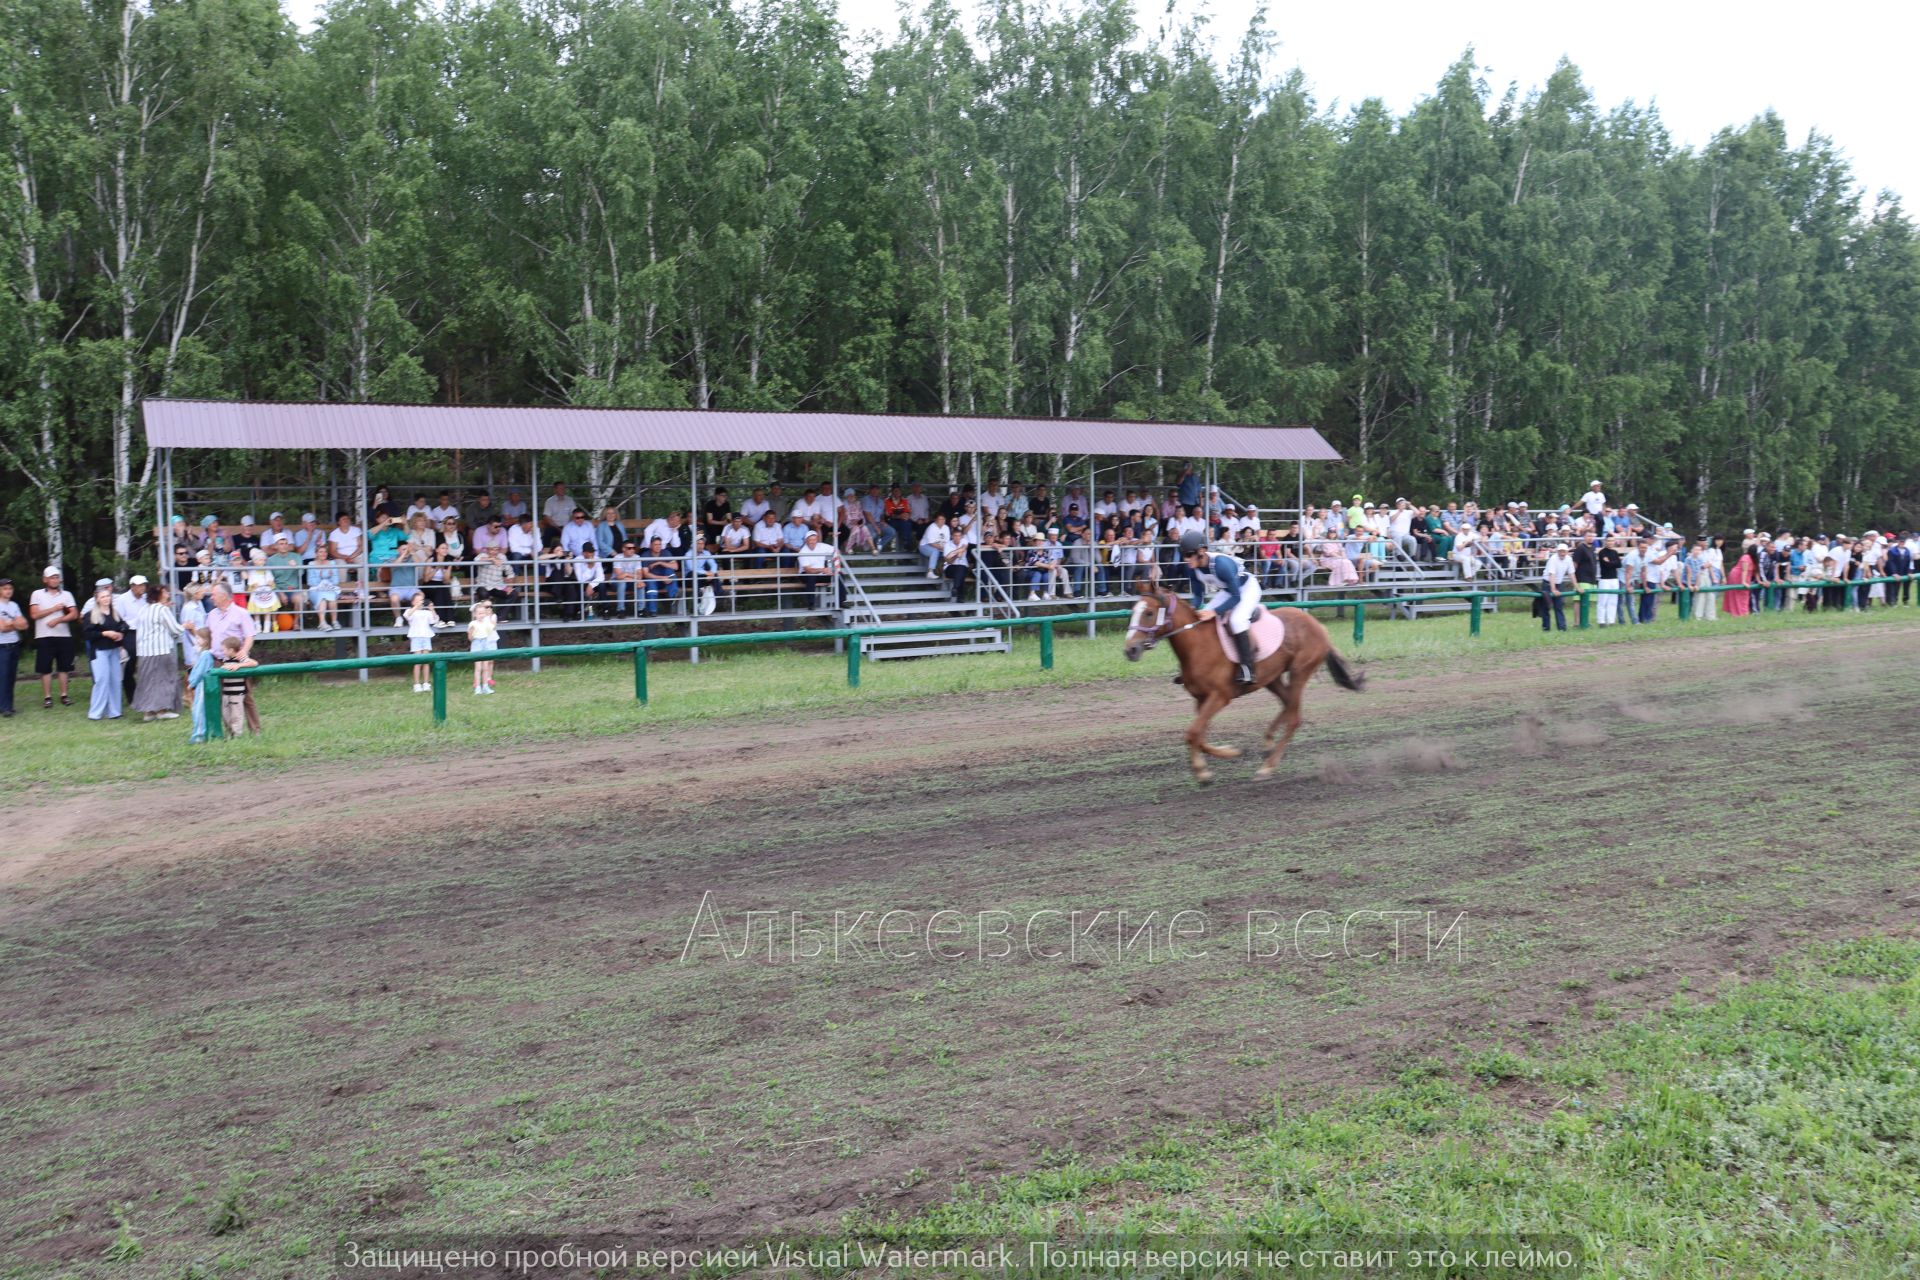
x=312, y=719
x=466, y=983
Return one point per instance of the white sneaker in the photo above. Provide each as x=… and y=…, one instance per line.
x=421, y=688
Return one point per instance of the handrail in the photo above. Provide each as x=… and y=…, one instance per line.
x=640, y=649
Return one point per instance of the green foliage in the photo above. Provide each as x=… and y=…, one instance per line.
x=662, y=202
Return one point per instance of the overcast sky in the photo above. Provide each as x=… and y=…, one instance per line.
x=1834, y=67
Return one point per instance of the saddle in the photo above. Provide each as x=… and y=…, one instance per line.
x=1268, y=633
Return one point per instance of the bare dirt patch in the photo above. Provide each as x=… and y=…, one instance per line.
x=459, y=994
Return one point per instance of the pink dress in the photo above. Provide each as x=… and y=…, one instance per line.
x=1735, y=602
x=1340, y=570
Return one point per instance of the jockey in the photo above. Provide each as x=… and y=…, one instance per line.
x=1220, y=583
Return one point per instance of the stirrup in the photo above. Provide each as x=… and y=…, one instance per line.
x=1246, y=673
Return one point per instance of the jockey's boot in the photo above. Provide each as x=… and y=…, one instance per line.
x=1243, y=641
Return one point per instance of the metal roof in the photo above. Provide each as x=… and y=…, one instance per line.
x=254, y=424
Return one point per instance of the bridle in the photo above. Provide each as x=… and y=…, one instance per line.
x=1159, y=630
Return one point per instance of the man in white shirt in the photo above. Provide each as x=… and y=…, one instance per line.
x=662, y=530
x=755, y=507
x=993, y=499
x=1557, y=577
x=558, y=508
x=826, y=508
x=1594, y=500
x=1400, y=529
x=1656, y=562
x=917, y=508
x=590, y=579
x=442, y=509
x=804, y=508
x=816, y=562
x=523, y=540
x=52, y=611
x=736, y=535
x=768, y=541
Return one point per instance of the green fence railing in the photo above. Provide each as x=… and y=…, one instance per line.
x=639, y=650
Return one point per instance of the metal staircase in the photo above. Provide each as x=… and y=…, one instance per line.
x=894, y=590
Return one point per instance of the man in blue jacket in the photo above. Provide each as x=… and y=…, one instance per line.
x=1219, y=582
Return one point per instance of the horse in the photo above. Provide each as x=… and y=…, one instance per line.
x=1211, y=677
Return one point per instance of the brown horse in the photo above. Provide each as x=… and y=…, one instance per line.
x=1209, y=674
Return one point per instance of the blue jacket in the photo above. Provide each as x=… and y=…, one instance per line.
x=1226, y=575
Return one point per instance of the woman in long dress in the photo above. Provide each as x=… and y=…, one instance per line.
x=1740, y=575
x=156, y=691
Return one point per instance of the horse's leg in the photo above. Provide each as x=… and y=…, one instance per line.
x=1290, y=700
x=1198, y=749
x=1278, y=688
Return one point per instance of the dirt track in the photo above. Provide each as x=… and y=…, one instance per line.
x=461, y=984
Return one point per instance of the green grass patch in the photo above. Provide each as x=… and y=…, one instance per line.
x=1773, y=1131
x=312, y=719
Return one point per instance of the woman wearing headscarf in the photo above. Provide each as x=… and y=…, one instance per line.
x=156, y=692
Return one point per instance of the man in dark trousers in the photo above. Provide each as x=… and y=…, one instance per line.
x=1898, y=564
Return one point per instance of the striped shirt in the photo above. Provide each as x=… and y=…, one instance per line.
x=155, y=630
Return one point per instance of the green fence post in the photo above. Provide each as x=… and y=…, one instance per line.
x=210, y=706
x=1683, y=601
x=640, y=674
x=1477, y=607
x=853, y=661
x=1046, y=645
x=440, y=692
x=1586, y=608
x=1359, y=621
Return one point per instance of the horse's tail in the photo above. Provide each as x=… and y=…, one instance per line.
x=1343, y=675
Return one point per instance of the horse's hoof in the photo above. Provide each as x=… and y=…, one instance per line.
x=1228, y=753
x=1264, y=771
x=1203, y=778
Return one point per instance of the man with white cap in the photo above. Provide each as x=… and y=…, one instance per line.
x=52, y=610
x=131, y=605
x=246, y=539
x=1556, y=579
x=308, y=537
x=1594, y=500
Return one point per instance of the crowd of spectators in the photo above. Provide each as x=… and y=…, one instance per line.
x=421, y=562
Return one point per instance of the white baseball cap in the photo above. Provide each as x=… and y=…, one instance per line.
x=273, y=515
x=51, y=571
x=307, y=517
x=137, y=580
x=102, y=582
x=1594, y=485
x=246, y=519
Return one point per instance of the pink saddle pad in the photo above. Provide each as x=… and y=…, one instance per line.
x=1269, y=633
